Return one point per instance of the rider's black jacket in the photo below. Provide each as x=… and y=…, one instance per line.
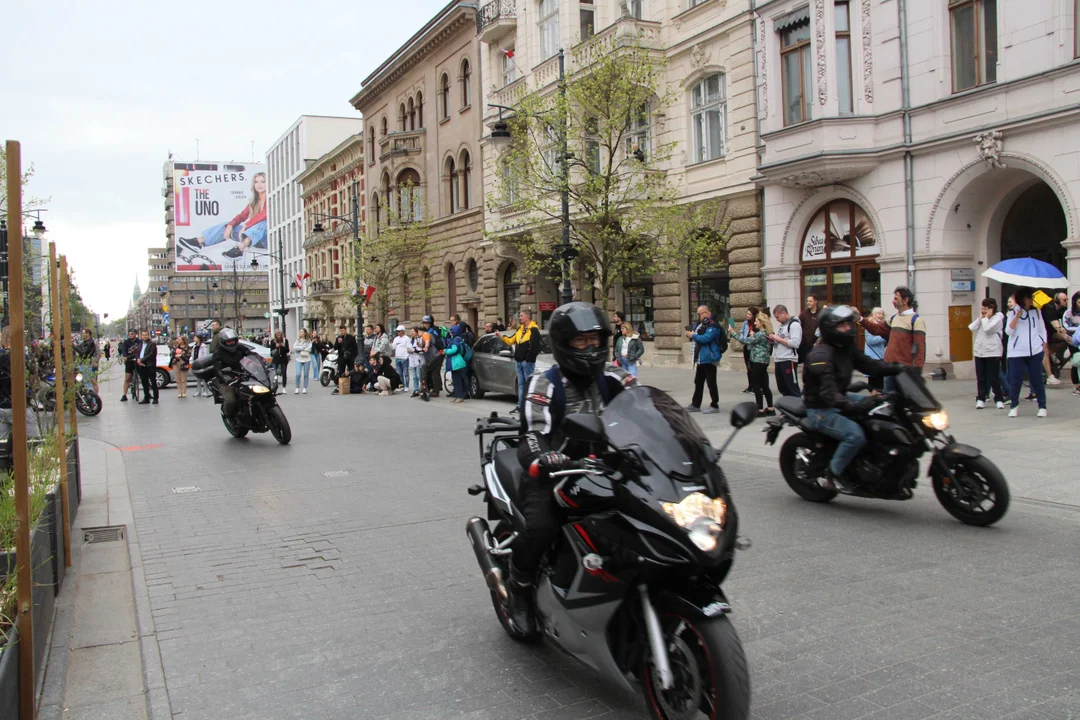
x=224, y=359
x=827, y=374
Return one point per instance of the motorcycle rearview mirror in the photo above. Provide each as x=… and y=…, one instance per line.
x=743, y=414
x=583, y=427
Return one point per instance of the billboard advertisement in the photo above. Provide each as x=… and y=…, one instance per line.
x=220, y=216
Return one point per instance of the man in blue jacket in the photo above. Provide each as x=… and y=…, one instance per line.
x=710, y=341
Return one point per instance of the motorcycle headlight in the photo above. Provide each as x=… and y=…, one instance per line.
x=705, y=534
x=936, y=421
x=78, y=377
x=694, y=507
x=259, y=389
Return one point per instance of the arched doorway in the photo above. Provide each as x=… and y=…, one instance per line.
x=1035, y=227
x=839, y=257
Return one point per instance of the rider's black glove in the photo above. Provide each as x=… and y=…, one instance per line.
x=547, y=463
x=865, y=405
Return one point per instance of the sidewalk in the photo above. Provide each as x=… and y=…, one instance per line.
x=103, y=660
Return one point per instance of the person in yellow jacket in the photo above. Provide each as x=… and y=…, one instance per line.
x=526, y=344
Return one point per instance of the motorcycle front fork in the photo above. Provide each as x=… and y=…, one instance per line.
x=656, y=639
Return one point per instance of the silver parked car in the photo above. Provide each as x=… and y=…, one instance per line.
x=493, y=368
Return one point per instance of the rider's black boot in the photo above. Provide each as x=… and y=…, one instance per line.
x=521, y=601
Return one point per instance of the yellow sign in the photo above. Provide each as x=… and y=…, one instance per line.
x=164, y=307
x=1040, y=298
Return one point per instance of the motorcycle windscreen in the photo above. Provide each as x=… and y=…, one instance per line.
x=914, y=388
x=254, y=366
x=650, y=421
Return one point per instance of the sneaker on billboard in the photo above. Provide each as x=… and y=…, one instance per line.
x=190, y=243
x=233, y=253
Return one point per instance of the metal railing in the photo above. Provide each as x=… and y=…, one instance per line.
x=495, y=11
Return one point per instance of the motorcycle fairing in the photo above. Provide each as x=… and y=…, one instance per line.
x=696, y=600
x=497, y=494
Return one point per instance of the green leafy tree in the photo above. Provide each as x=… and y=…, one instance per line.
x=625, y=220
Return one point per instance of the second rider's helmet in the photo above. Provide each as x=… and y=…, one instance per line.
x=828, y=321
x=228, y=339
x=569, y=321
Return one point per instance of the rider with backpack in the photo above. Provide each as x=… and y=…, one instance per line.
x=710, y=343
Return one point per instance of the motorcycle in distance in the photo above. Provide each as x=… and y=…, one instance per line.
x=256, y=394
x=328, y=373
x=908, y=423
x=632, y=585
x=87, y=401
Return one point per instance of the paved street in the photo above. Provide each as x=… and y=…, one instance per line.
x=332, y=579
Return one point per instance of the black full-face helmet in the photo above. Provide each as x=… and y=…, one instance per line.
x=828, y=321
x=228, y=339
x=567, y=322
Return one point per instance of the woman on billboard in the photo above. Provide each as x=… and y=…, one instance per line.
x=248, y=228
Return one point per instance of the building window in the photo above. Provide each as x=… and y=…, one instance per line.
x=420, y=110
x=695, y=3
x=451, y=289
x=974, y=42
x=839, y=257
x=465, y=194
x=427, y=291
x=708, y=117
x=402, y=117
x=412, y=115
x=410, y=197
x=549, y=28
x=588, y=19
x=638, y=307
x=385, y=127
x=843, y=57
x=637, y=135
x=452, y=184
x=509, y=67
x=510, y=187
x=474, y=275
x=796, y=67
x=634, y=9
x=405, y=296
x=466, y=78
x=444, y=96
x=511, y=294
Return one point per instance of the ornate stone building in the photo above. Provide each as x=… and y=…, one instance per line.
x=330, y=186
x=423, y=108
x=709, y=51
x=917, y=143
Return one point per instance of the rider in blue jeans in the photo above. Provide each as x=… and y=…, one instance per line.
x=826, y=378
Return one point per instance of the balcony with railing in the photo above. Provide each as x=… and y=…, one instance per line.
x=318, y=288
x=496, y=19
x=627, y=30
x=401, y=144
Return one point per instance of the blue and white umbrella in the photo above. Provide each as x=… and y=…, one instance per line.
x=1028, y=272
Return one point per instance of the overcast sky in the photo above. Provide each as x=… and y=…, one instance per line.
x=105, y=90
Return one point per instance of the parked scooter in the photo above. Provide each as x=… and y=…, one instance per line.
x=329, y=372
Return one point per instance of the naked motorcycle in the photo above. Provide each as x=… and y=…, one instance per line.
x=905, y=425
x=632, y=585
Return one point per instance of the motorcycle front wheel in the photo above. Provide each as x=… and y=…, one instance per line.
x=88, y=403
x=979, y=496
x=798, y=464
x=711, y=675
x=279, y=426
x=324, y=378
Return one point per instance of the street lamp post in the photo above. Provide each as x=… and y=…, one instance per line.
x=501, y=134
x=280, y=258
x=352, y=221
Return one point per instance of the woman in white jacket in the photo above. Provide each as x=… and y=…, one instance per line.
x=988, y=331
x=1027, y=336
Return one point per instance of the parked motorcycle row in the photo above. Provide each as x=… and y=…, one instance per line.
x=632, y=587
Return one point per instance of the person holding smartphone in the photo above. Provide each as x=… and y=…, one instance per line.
x=988, y=330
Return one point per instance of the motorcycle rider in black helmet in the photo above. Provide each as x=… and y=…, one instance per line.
x=230, y=351
x=580, y=338
x=826, y=377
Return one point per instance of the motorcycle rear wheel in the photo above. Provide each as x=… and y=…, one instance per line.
x=279, y=426
x=235, y=429
x=796, y=457
x=712, y=678
x=500, y=532
x=978, y=481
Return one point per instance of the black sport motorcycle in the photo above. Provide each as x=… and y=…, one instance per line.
x=632, y=585
x=907, y=424
x=256, y=394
